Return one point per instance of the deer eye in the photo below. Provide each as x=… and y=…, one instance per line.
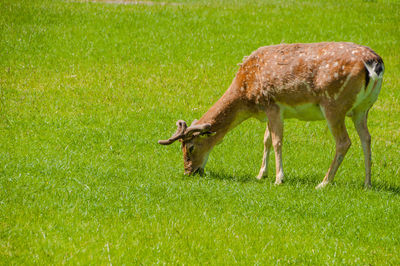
x=191, y=148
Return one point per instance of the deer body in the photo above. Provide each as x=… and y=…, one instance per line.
x=309, y=82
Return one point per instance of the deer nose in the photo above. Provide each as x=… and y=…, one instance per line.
x=199, y=171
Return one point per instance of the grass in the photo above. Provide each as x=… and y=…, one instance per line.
x=88, y=88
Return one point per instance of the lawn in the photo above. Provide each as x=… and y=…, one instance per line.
x=87, y=89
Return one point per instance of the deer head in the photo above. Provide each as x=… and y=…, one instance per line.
x=194, y=147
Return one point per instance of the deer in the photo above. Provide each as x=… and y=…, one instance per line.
x=307, y=81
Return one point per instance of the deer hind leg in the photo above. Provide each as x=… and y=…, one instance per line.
x=343, y=143
x=267, y=147
x=360, y=123
x=275, y=126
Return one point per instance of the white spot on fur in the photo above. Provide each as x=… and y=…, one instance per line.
x=308, y=86
x=335, y=64
x=336, y=75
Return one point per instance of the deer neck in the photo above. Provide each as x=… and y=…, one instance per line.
x=228, y=112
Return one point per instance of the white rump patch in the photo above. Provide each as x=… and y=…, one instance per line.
x=371, y=70
x=367, y=96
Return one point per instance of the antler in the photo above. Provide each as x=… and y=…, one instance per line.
x=197, y=128
x=180, y=133
x=183, y=131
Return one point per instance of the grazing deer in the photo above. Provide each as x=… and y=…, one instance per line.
x=312, y=81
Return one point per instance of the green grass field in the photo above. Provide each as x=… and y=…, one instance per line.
x=87, y=89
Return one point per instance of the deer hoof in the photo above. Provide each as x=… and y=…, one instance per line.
x=321, y=185
x=261, y=176
x=367, y=185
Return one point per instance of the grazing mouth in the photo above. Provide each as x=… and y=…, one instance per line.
x=198, y=171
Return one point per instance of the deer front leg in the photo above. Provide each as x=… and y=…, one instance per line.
x=339, y=132
x=275, y=125
x=267, y=147
x=360, y=123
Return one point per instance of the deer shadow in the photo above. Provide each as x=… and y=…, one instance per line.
x=310, y=180
x=384, y=186
x=240, y=178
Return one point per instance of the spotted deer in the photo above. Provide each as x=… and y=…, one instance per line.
x=312, y=81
